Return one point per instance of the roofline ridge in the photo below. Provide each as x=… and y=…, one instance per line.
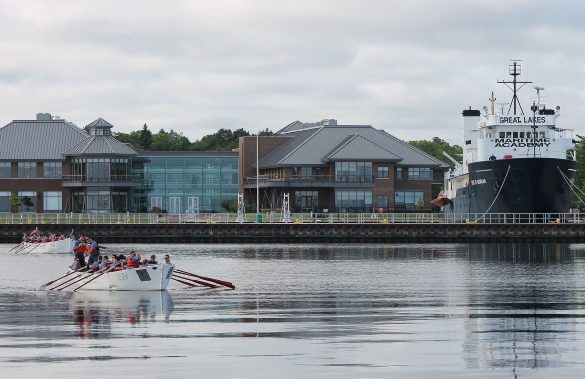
x=356, y=135
x=300, y=130
x=301, y=144
x=344, y=143
x=412, y=147
x=382, y=147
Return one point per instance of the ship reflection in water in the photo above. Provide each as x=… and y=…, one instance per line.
x=347, y=311
x=517, y=315
x=94, y=312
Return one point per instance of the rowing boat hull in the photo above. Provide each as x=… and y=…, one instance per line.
x=149, y=278
x=55, y=247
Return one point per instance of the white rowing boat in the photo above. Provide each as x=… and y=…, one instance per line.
x=149, y=278
x=53, y=247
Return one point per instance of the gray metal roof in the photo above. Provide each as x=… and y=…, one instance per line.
x=100, y=145
x=358, y=148
x=100, y=123
x=273, y=159
x=312, y=146
x=38, y=140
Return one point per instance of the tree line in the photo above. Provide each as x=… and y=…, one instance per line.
x=145, y=139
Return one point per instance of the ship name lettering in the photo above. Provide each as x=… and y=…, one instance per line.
x=475, y=182
x=522, y=120
x=522, y=142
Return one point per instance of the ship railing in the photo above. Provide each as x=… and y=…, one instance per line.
x=39, y=219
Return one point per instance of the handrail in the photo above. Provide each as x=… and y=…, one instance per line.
x=296, y=217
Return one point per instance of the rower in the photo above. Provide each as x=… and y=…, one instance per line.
x=75, y=266
x=133, y=260
x=79, y=251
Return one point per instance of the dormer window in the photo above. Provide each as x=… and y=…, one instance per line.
x=99, y=127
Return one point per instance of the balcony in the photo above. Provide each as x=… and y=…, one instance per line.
x=312, y=181
x=110, y=181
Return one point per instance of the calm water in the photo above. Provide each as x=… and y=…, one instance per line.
x=350, y=311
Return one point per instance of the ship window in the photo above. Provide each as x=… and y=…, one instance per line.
x=542, y=135
x=502, y=135
x=528, y=135
x=521, y=134
x=508, y=134
x=515, y=135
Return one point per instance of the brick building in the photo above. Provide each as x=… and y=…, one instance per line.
x=338, y=168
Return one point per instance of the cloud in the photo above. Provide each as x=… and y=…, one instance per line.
x=197, y=66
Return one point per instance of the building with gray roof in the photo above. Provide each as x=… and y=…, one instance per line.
x=51, y=165
x=338, y=168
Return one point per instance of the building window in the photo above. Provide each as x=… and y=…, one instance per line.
x=382, y=172
x=5, y=201
x=52, y=201
x=398, y=172
x=5, y=170
x=383, y=202
x=353, y=172
x=156, y=204
x=408, y=199
x=27, y=201
x=307, y=201
x=415, y=173
x=27, y=170
x=353, y=201
x=52, y=170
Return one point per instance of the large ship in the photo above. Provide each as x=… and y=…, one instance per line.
x=513, y=162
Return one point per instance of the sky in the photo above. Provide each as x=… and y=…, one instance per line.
x=408, y=67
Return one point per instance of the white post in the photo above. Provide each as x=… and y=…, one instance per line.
x=286, y=208
x=258, y=214
x=241, y=209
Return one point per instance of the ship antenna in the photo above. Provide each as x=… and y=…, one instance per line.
x=534, y=108
x=514, y=71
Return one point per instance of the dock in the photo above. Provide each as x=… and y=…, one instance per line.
x=313, y=232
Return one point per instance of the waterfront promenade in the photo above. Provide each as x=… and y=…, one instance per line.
x=303, y=228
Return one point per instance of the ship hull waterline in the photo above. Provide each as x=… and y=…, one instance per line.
x=527, y=185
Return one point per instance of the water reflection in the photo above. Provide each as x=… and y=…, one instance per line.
x=520, y=252
x=518, y=306
x=95, y=311
x=436, y=310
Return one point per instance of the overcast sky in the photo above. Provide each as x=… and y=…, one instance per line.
x=408, y=67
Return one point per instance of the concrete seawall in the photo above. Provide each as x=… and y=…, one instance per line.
x=311, y=233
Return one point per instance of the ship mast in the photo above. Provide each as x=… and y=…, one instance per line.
x=514, y=70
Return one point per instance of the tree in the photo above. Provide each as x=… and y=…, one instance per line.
x=222, y=140
x=133, y=138
x=145, y=137
x=14, y=203
x=230, y=205
x=266, y=132
x=435, y=148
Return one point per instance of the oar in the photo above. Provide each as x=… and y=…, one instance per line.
x=220, y=282
x=16, y=246
x=187, y=283
x=67, y=281
x=69, y=273
x=34, y=247
x=24, y=246
x=95, y=277
x=196, y=281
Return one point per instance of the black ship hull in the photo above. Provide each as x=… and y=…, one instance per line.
x=527, y=185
